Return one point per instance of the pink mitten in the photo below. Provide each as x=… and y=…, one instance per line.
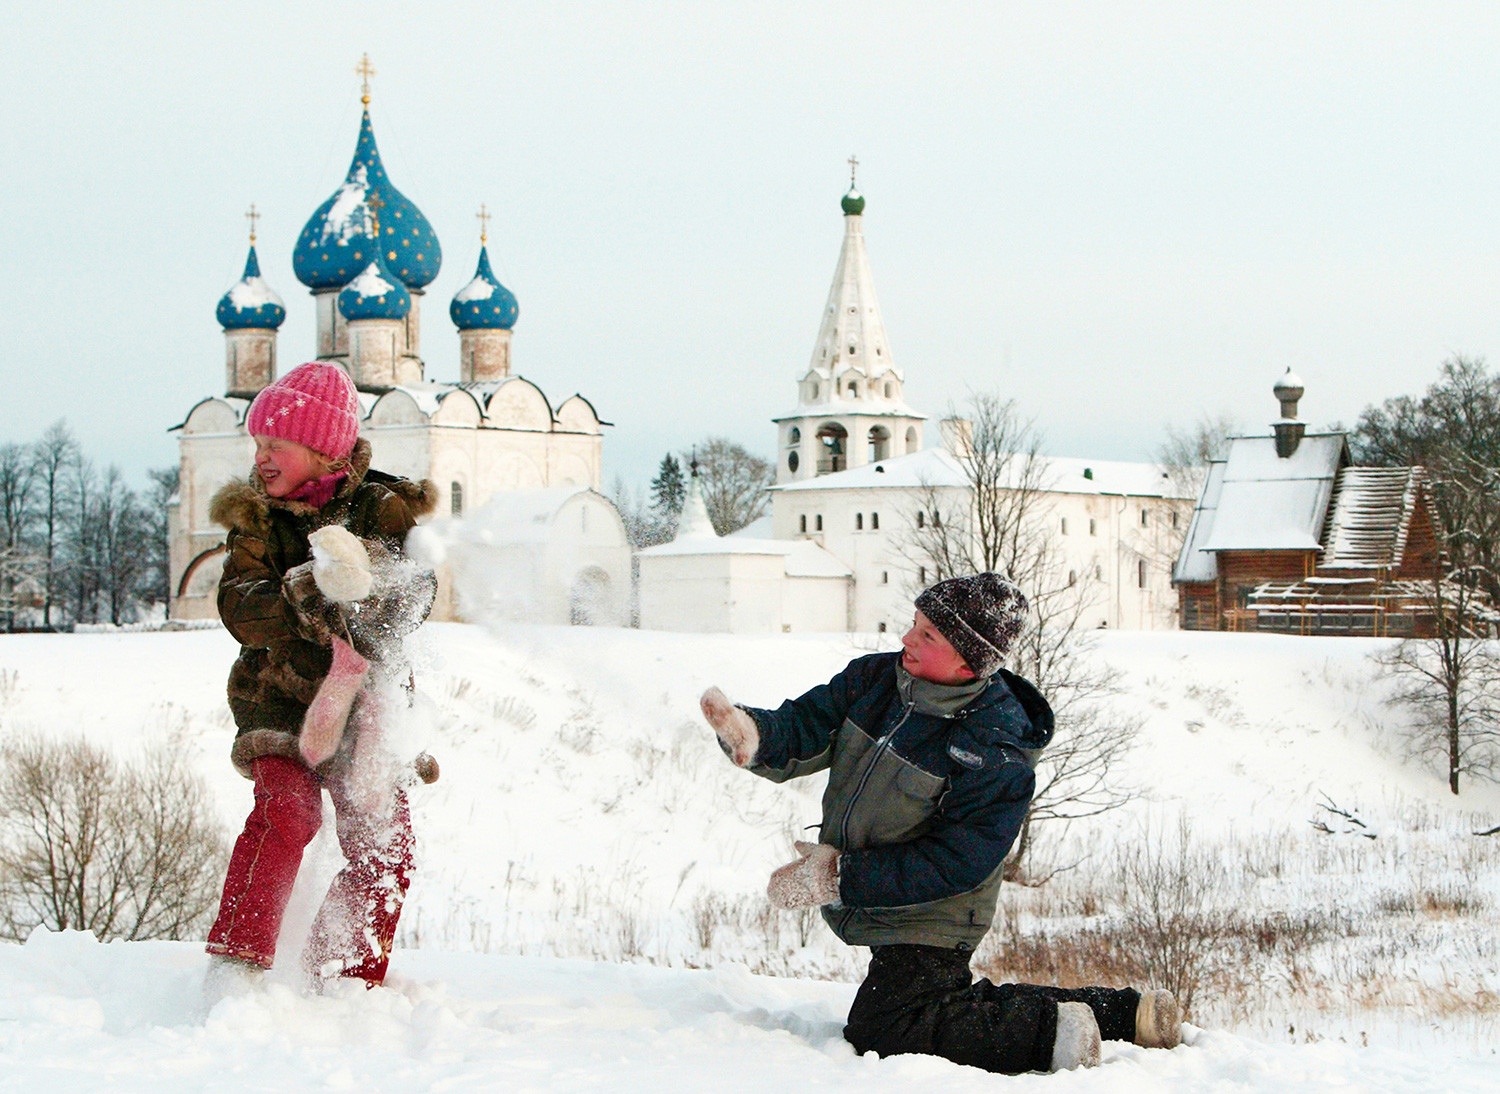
x=323, y=724
x=738, y=735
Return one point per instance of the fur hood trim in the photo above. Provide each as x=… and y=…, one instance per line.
x=420, y=497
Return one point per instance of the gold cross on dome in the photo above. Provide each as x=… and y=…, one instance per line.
x=483, y=217
x=853, y=166
x=252, y=216
x=364, y=70
x=374, y=204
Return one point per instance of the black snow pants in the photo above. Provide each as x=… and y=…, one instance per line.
x=924, y=999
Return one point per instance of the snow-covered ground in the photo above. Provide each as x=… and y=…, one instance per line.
x=77, y=1016
x=588, y=911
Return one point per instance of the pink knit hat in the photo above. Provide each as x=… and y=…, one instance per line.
x=315, y=405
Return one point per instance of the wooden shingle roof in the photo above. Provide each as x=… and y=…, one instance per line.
x=1370, y=515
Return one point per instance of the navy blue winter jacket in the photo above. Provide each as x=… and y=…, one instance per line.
x=927, y=788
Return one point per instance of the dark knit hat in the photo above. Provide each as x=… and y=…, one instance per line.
x=314, y=405
x=980, y=615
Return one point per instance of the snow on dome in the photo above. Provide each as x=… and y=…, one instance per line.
x=484, y=303
x=375, y=294
x=250, y=303
x=336, y=242
x=1288, y=380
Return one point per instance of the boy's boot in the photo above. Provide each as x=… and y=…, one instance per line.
x=1077, y=1041
x=1158, y=1020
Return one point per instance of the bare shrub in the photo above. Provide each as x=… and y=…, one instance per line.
x=709, y=911
x=86, y=843
x=1168, y=889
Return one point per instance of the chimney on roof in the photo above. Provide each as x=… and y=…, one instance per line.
x=1288, y=429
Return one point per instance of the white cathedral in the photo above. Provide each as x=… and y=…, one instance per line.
x=518, y=478
x=853, y=478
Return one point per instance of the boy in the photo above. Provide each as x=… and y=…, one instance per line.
x=930, y=755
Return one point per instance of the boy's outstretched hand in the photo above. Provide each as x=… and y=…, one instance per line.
x=738, y=736
x=809, y=882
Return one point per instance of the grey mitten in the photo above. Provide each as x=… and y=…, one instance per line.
x=812, y=880
x=738, y=735
x=341, y=564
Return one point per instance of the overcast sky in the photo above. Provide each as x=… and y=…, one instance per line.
x=1124, y=216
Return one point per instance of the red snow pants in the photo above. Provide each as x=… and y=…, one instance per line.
x=356, y=925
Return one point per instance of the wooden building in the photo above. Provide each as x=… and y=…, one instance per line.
x=1288, y=536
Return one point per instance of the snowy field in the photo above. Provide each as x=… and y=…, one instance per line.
x=588, y=910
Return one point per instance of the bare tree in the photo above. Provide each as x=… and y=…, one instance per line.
x=156, y=586
x=83, y=547
x=124, y=851
x=999, y=517
x=1186, y=453
x=123, y=545
x=17, y=481
x=733, y=482
x=52, y=458
x=1450, y=680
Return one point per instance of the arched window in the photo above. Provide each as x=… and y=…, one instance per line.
x=859, y=522
x=921, y=519
x=890, y=388
x=875, y=521
x=802, y=523
x=911, y=439
x=1145, y=519
x=794, y=437
x=1140, y=573
x=793, y=461
x=832, y=439
x=853, y=390
x=880, y=443
x=456, y=496
x=818, y=522
x=1064, y=525
x=1091, y=525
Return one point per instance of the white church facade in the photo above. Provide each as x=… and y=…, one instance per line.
x=491, y=439
x=855, y=481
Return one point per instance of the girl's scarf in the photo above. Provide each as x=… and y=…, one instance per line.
x=319, y=492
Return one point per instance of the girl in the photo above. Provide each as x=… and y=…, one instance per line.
x=312, y=472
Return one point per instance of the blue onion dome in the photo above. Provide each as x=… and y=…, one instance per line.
x=484, y=303
x=335, y=244
x=853, y=203
x=375, y=294
x=250, y=303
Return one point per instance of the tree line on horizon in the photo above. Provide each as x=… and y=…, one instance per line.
x=78, y=545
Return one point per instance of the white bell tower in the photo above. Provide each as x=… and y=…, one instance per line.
x=850, y=409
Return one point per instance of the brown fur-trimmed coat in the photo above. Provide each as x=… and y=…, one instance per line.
x=284, y=628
